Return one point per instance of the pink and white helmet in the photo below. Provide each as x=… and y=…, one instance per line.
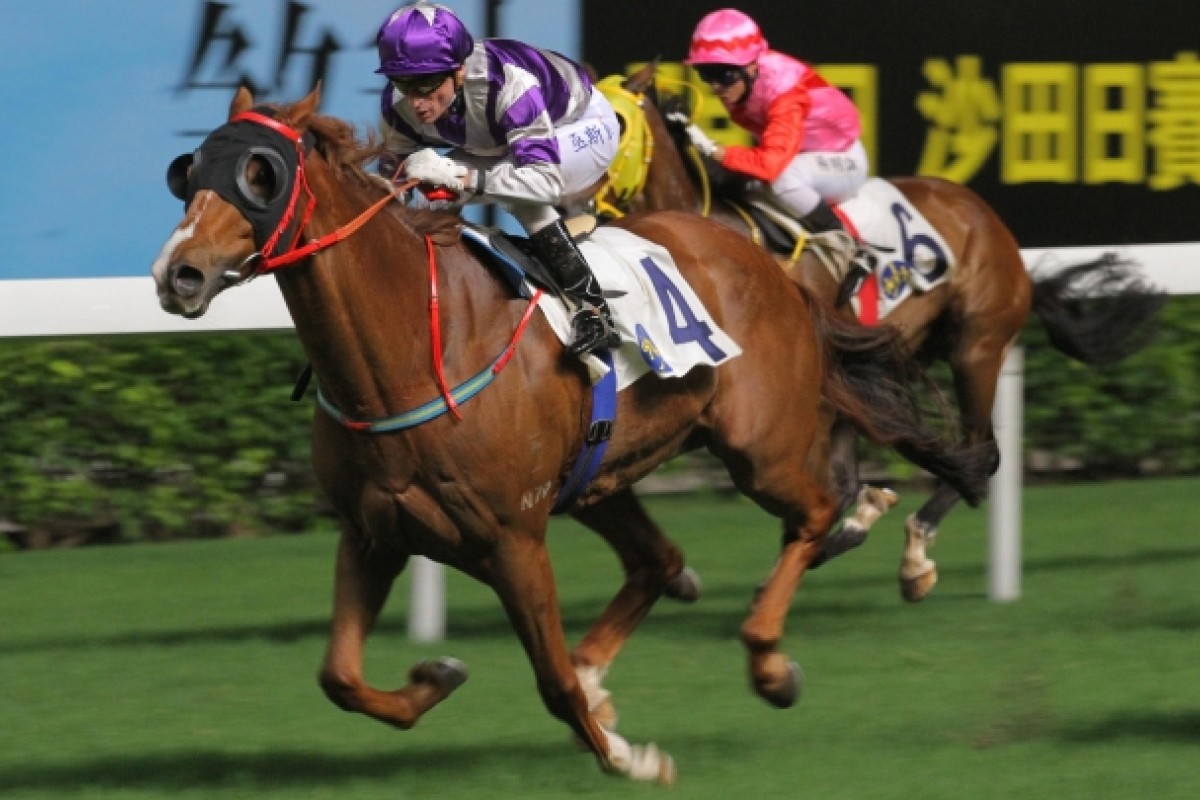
x=726, y=36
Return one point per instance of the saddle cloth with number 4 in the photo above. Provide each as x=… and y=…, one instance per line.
x=664, y=327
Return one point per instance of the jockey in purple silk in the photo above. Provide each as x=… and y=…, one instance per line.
x=525, y=128
x=808, y=154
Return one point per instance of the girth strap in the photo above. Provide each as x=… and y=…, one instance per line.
x=595, y=443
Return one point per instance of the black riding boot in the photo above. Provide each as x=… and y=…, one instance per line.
x=822, y=218
x=826, y=226
x=592, y=326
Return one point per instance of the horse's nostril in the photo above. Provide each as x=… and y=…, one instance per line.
x=187, y=281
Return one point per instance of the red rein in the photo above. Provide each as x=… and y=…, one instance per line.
x=270, y=263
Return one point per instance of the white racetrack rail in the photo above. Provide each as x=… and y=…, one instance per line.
x=88, y=306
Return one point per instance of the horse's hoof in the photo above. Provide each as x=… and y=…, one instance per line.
x=447, y=673
x=882, y=498
x=651, y=764
x=784, y=693
x=848, y=538
x=666, y=771
x=685, y=586
x=915, y=588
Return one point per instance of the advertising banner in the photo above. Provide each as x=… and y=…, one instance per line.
x=98, y=98
x=1078, y=122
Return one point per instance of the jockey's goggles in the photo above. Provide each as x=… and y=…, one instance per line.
x=421, y=85
x=722, y=75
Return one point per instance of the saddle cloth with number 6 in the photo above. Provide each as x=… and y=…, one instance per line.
x=664, y=327
x=912, y=255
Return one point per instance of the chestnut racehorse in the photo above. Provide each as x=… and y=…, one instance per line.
x=969, y=321
x=362, y=278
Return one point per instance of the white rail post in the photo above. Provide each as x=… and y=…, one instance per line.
x=427, y=606
x=1004, y=507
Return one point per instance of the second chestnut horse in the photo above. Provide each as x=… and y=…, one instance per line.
x=968, y=321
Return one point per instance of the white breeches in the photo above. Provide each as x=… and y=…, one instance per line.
x=816, y=176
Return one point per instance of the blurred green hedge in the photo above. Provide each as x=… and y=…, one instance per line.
x=1141, y=416
x=155, y=436
x=188, y=435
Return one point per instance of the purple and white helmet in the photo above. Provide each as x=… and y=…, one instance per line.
x=422, y=39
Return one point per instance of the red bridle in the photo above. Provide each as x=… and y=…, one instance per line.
x=264, y=260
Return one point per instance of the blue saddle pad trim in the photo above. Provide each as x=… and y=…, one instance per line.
x=604, y=414
x=510, y=270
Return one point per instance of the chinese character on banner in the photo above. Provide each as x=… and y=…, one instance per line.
x=1114, y=138
x=1041, y=113
x=223, y=44
x=1175, y=122
x=964, y=113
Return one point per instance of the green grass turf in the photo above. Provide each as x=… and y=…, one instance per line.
x=187, y=670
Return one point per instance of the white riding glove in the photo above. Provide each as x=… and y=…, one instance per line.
x=426, y=166
x=699, y=138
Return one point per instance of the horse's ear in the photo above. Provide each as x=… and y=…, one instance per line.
x=242, y=101
x=638, y=81
x=301, y=111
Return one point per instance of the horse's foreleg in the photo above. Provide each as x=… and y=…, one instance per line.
x=362, y=581
x=521, y=575
x=652, y=564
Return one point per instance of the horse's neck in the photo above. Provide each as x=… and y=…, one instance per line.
x=669, y=185
x=360, y=306
x=362, y=310
x=670, y=194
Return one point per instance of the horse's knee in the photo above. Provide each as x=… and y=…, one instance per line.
x=560, y=699
x=758, y=638
x=654, y=569
x=668, y=569
x=818, y=519
x=341, y=690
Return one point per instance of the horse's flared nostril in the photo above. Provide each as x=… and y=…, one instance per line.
x=187, y=281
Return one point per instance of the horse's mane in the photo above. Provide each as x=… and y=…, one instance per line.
x=340, y=145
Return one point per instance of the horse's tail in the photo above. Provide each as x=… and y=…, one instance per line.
x=871, y=380
x=1098, y=312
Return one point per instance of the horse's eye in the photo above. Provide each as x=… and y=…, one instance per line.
x=261, y=178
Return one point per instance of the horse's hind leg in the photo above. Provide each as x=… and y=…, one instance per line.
x=808, y=512
x=976, y=366
x=519, y=571
x=870, y=502
x=362, y=581
x=653, y=565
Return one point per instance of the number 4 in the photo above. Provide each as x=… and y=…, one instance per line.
x=672, y=300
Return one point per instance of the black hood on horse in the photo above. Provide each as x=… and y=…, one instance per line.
x=222, y=162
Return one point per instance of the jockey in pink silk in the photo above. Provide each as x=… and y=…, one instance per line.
x=807, y=154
